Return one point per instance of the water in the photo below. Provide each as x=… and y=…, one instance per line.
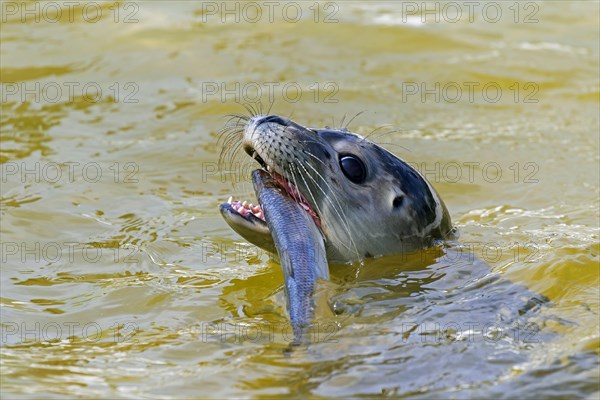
x=120, y=279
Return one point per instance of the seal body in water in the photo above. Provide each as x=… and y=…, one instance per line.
x=364, y=201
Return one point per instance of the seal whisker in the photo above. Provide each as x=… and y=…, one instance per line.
x=296, y=184
x=258, y=108
x=337, y=208
x=313, y=156
x=342, y=121
x=234, y=153
x=231, y=125
x=343, y=219
x=372, y=135
x=225, y=151
x=261, y=108
x=270, y=106
x=323, y=179
x=369, y=137
x=287, y=176
x=352, y=119
x=232, y=156
x=254, y=109
x=319, y=211
x=250, y=110
x=230, y=133
x=238, y=116
x=226, y=132
x=375, y=130
x=229, y=137
x=386, y=133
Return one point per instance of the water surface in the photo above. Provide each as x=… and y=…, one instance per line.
x=120, y=279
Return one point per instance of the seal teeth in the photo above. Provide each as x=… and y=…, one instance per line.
x=244, y=208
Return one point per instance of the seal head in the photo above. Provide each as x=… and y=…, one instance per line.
x=366, y=201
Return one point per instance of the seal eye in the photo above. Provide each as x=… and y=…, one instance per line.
x=353, y=168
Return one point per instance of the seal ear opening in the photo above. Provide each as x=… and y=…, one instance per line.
x=398, y=201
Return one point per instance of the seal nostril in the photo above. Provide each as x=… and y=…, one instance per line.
x=275, y=119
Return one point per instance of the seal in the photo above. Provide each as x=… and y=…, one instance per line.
x=366, y=201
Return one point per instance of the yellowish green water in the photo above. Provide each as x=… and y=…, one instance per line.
x=120, y=279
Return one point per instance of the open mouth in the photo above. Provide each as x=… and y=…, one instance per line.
x=249, y=210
